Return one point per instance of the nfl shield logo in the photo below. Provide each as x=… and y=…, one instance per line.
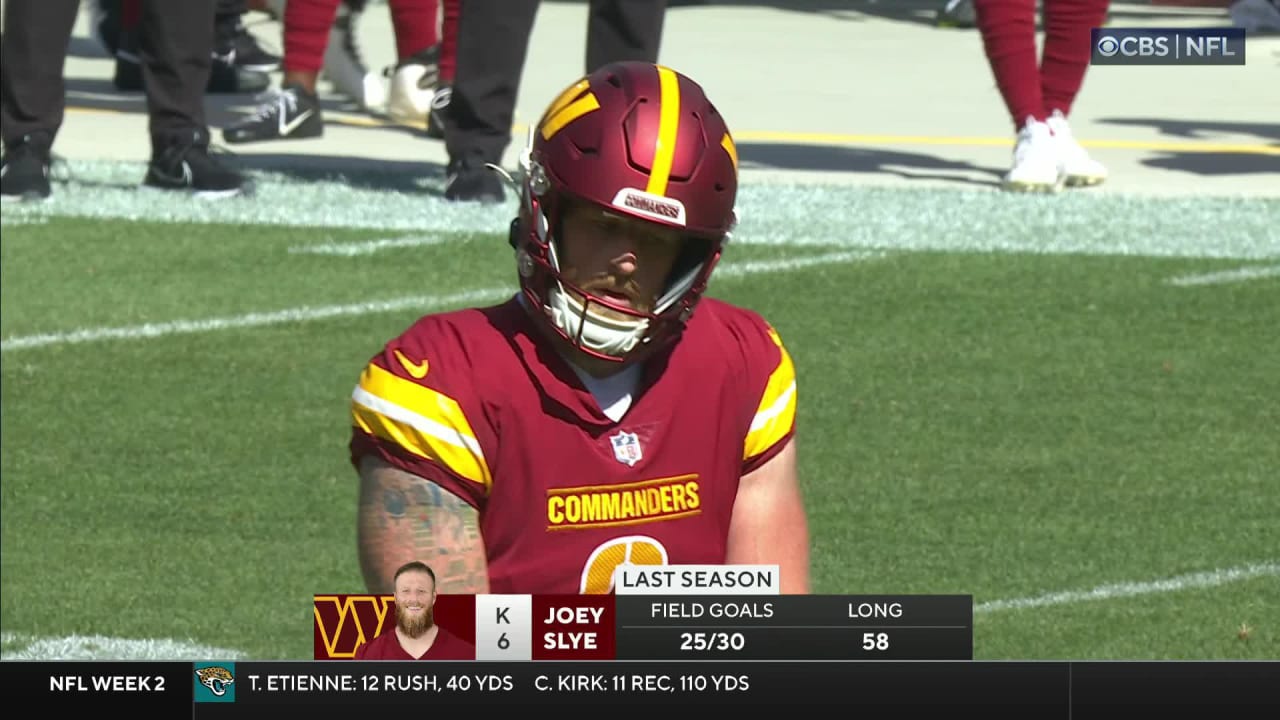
x=626, y=448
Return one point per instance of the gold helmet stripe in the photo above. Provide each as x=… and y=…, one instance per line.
x=668, y=126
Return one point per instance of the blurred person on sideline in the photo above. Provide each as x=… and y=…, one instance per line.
x=1039, y=92
x=175, y=50
x=316, y=37
x=492, y=44
x=240, y=63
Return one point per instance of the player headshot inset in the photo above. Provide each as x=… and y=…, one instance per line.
x=416, y=636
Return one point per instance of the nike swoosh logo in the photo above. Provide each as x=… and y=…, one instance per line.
x=417, y=370
x=186, y=178
x=288, y=127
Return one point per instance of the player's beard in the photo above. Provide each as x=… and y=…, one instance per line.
x=607, y=283
x=415, y=625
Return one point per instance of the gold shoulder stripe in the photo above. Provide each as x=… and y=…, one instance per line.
x=776, y=413
x=422, y=421
x=571, y=105
x=727, y=143
x=664, y=151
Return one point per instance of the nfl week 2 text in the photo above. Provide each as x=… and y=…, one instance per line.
x=106, y=683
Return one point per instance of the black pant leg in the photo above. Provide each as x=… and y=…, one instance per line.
x=492, y=43
x=37, y=34
x=176, y=50
x=620, y=30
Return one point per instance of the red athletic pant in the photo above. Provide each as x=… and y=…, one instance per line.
x=307, y=24
x=1032, y=88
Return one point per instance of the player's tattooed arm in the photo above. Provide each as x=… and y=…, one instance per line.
x=769, y=525
x=403, y=517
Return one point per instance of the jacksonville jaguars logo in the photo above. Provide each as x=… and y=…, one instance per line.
x=216, y=678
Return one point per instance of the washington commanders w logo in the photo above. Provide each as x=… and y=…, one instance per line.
x=572, y=104
x=345, y=622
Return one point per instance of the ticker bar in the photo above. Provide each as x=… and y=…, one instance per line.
x=354, y=684
x=934, y=689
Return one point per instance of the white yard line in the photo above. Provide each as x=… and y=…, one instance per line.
x=1191, y=581
x=368, y=247
x=1226, y=276
x=98, y=647
x=414, y=302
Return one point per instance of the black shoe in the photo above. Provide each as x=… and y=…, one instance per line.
x=24, y=171
x=182, y=162
x=228, y=78
x=957, y=14
x=234, y=42
x=439, y=105
x=225, y=77
x=290, y=113
x=473, y=182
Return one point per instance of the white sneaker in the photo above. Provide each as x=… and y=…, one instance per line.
x=1035, y=161
x=1255, y=15
x=413, y=88
x=344, y=68
x=1078, y=169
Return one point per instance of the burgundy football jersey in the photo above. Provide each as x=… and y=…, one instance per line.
x=478, y=402
x=446, y=646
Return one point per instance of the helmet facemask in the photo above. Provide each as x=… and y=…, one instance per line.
x=638, y=141
x=594, y=324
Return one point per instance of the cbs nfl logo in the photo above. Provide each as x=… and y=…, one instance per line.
x=1161, y=46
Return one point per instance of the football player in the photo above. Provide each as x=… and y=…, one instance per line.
x=608, y=413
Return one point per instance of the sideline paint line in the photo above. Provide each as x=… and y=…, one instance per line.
x=1191, y=581
x=14, y=220
x=367, y=247
x=98, y=647
x=826, y=138
x=823, y=138
x=1225, y=276
x=416, y=302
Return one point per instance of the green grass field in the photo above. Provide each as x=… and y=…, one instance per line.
x=1067, y=407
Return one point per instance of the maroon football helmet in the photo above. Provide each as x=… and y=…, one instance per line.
x=638, y=140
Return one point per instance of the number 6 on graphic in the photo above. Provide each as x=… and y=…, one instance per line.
x=597, y=574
